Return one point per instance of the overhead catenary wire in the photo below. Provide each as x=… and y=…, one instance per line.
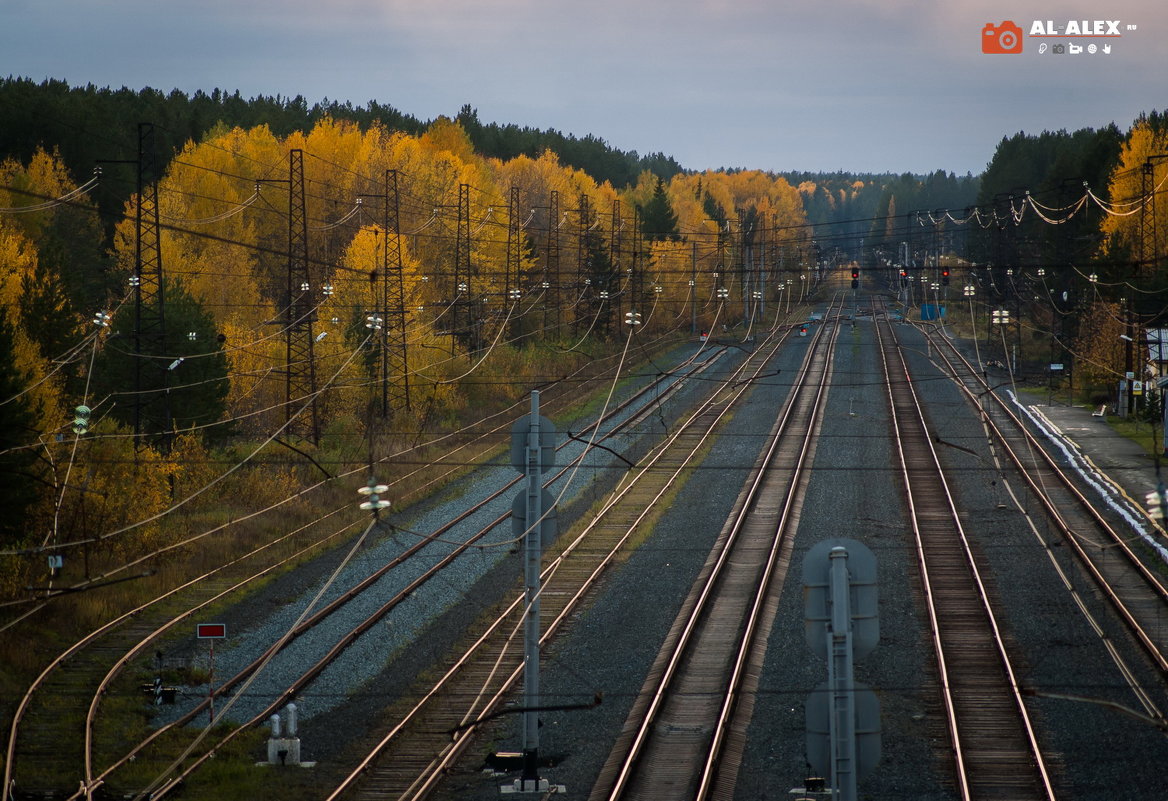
x=58, y=201
x=222, y=476
x=1015, y=214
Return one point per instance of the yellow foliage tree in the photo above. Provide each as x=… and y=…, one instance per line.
x=255, y=370
x=1099, y=347
x=447, y=136
x=115, y=490
x=1122, y=231
x=18, y=264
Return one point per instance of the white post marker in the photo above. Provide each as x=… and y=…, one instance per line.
x=212, y=632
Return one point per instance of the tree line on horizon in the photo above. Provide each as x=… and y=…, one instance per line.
x=46, y=115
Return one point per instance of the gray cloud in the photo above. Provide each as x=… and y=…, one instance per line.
x=892, y=85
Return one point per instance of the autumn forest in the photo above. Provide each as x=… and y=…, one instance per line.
x=215, y=297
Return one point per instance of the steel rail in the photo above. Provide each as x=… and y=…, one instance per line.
x=803, y=396
x=425, y=780
x=89, y=639
x=994, y=754
x=91, y=782
x=1155, y=650
x=727, y=714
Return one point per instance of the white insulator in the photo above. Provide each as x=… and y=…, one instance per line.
x=290, y=721
x=274, y=720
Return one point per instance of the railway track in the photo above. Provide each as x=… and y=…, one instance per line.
x=1104, y=547
x=346, y=639
x=426, y=736
x=993, y=743
x=43, y=734
x=685, y=733
x=493, y=680
x=44, y=731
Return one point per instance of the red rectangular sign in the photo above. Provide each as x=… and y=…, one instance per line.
x=211, y=631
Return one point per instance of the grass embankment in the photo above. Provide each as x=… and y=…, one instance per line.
x=1146, y=434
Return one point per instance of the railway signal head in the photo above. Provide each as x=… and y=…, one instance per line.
x=945, y=276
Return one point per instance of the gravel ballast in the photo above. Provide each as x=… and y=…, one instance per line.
x=1098, y=751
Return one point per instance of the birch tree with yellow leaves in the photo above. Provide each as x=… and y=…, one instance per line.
x=1137, y=227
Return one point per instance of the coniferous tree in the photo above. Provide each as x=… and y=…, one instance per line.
x=658, y=220
x=182, y=381
x=602, y=276
x=47, y=314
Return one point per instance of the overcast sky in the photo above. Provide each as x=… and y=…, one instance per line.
x=859, y=85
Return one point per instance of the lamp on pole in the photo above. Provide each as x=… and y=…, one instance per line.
x=1001, y=318
x=969, y=290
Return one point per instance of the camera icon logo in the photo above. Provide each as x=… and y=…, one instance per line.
x=1059, y=49
x=998, y=39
